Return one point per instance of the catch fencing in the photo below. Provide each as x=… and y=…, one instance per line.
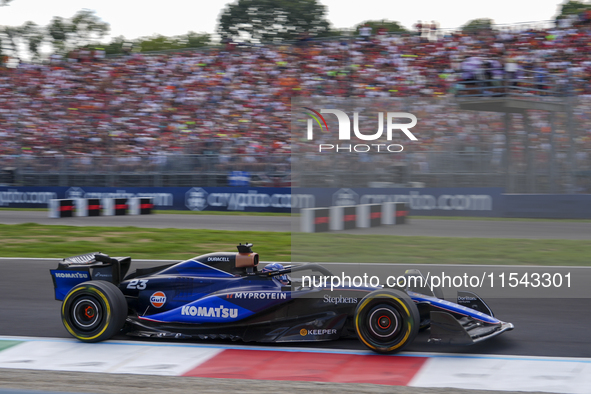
x=535, y=151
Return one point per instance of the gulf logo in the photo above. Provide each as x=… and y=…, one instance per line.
x=158, y=299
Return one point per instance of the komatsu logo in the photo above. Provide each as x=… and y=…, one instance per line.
x=77, y=275
x=209, y=312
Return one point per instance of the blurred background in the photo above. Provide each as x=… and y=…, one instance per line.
x=499, y=105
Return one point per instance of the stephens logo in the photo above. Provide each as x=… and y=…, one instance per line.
x=340, y=300
x=158, y=299
x=345, y=131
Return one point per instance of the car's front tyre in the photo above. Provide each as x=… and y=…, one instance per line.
x=94, y=311
x=386, y=321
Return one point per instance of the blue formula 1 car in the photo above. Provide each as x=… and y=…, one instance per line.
x=225, y=295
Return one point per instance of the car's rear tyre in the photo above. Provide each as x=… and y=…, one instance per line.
x=94, y=311
x=386, y=321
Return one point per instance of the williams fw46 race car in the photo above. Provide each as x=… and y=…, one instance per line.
x=225, y=296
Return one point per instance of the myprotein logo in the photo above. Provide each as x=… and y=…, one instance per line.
x=271, y=295
x=344, y=131
x=201, y=311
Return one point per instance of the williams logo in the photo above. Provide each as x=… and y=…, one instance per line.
x=344, y=132
x=158, y=299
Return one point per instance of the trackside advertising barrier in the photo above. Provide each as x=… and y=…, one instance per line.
x=315, y=220
x=63, y=208
x=94, y=206
x=483, y=202
x=335, y=218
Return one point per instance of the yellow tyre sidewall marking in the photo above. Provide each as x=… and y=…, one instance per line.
x=408, y=330
x=108, y=314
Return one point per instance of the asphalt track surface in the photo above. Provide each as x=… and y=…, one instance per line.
x=544, y=327
x=415, y=227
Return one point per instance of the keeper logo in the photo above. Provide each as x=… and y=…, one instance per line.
x=328, y=331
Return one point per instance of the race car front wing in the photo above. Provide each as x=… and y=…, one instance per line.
x=446, y=329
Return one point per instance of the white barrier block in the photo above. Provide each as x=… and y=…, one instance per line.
x=337, y=221
x=363, y=216
x=108, y=207
x=307, y=220
x=81, y=205
x=388, y=213
x=54, y=209
x=134, y=205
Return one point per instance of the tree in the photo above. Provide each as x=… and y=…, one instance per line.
x=390, y=26
x=196, y=40
x=478, y=25
x=81, y=30
x=28, y=34
x=272, y=20
x=573, y=8
x=34, y=37
x=4, y=42
x=162, y=43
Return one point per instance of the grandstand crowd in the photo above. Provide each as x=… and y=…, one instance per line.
x=235, y=99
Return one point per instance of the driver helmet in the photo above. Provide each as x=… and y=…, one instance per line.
x=277, y=267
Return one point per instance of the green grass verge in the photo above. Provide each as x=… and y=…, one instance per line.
x=439, y=250
x=33, y=240
x=239, y=213
x=499, y=219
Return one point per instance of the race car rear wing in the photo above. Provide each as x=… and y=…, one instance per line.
x=72, y=271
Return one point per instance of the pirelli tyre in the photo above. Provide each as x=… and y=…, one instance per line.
x=386, y=321
x=94, y=311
